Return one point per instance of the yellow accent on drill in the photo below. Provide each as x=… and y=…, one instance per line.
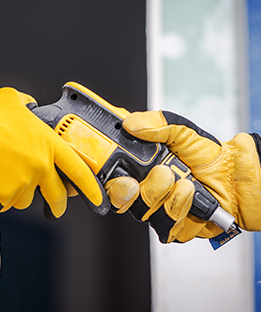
x=90, y=144
x=177, y=170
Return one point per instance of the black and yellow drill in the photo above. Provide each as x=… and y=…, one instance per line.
x=93, y=128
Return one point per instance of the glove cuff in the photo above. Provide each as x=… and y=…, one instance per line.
x=257, y=140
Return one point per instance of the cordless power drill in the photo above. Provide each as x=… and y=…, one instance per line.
x=93, y=128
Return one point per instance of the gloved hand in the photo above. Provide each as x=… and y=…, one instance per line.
x=31, y=154
x=229, y=170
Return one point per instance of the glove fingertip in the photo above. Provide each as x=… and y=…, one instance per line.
x=104, y=205
x=48, y=212
x=123, y=191
x=46, y=207
x=141, y=121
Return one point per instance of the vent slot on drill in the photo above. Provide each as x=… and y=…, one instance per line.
x=65, y=125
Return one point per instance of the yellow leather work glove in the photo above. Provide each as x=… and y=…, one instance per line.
x=30, y=154
x=229, y=170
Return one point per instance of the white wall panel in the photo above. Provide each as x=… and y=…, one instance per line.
x=197, y=68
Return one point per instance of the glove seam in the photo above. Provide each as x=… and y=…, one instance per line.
x=211, y=162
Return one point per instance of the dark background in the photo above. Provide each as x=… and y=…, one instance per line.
x=81, y=262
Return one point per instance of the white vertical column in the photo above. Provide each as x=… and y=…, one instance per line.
x=155, y=68
x=196, y=55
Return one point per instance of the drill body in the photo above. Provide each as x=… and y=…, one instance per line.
x=93, y=128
